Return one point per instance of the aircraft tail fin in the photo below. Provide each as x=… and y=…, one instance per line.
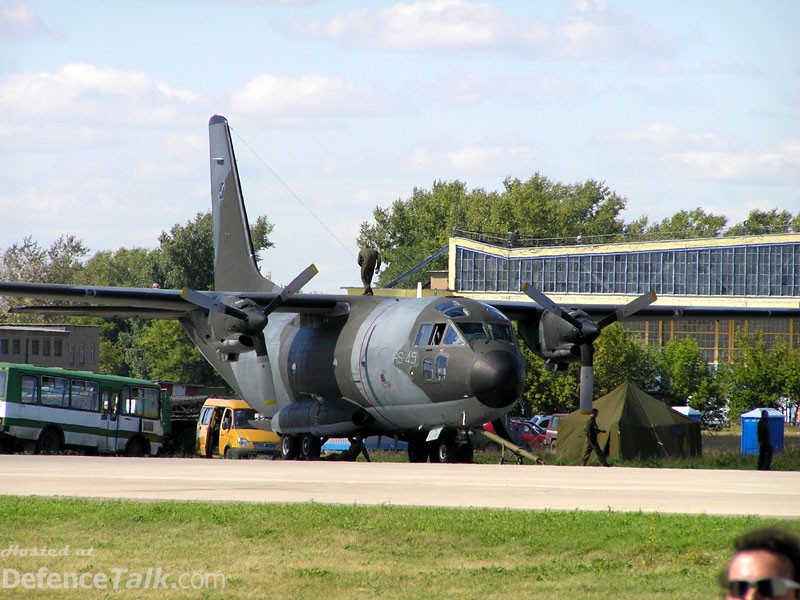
x=235, y=265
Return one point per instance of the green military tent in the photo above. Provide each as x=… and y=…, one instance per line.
x=637, y=426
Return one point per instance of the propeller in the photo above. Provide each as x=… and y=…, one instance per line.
x=584, y=332
x=249, y=318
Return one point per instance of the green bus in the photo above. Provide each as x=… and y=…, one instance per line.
x=45, y=409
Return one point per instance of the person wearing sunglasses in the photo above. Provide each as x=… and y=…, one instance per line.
x=765, y=564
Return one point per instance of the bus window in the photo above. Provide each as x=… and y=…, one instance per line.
x=142, y=402
x=29, y=393
x=110, y=403
x=85, y=395
x=205, y=416
x=2, y=384
x=55, y=391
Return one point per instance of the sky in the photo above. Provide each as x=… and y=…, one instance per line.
x=341, y=107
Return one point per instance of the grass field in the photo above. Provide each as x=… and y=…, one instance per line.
x=333, y=552
x=106, y=549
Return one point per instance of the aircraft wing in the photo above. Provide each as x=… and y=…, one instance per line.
x=523, y=311
x=150, y=303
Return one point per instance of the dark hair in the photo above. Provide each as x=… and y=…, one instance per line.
x=775, y=540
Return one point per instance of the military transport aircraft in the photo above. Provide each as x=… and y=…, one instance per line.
x=320, y=366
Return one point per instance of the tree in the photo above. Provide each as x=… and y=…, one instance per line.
x=170, y=356
x=185, y=257
x=415, y=228
x=751, y=379
x=27, y=261
x=761, y=222
x=620, y=357
x=688, y=224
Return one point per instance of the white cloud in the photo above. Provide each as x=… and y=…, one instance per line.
x=660, y=137
x=18, y=20
x=93, y=94
x=427, y=25
x=779, y=164
x=293, y=99
x=470, y=161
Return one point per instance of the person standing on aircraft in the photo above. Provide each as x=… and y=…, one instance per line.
x=590, y=431
x=764, y=443
x=370, y=262
x=765, y=564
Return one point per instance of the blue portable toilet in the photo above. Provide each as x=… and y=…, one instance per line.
x=750, y=430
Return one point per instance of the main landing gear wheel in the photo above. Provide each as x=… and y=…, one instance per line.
x=310, y=447
x=290, y=447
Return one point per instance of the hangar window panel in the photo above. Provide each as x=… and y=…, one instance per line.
x=679, y=274
x=704, y=272
x=515, y=275
x=608, y=274
x=788, y=266
x=549, y=276
x=562, y=274
x=526, y=272
x=645, y=283
x=586, y=274
x=665, y=272
x=775, y=264
x=536, y=274
x=502, y=274
x=479, y=273
x=597, y=274
x=751, y=272
x=692, y=257
x=490, y=283
x=574, y=275
x=620, y=273
x=631, y=274
x=763, y=271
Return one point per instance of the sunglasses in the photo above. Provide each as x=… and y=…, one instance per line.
x=774, y=587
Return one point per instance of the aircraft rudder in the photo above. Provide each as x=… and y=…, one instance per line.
x=235, y=265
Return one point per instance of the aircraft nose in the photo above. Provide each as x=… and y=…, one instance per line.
x=497, y=378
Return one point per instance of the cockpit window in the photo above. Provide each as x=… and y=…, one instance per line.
x=451, y=337
x=443, y=306
x=472, y=331
x=501, y=331
x=457, y=311
x=423, y=335
x=493, y=312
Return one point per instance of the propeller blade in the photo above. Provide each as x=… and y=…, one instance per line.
x=629, y=309
x=260, y=345
x=550, y=306
x=298, y=282
x=209, y=303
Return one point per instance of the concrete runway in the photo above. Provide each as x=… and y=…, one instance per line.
x=773, y=494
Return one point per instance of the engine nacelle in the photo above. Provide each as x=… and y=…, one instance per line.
x=234, y=345
x=319, y=418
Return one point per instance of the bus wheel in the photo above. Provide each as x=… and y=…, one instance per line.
x=49, y=442
x=136, y=447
